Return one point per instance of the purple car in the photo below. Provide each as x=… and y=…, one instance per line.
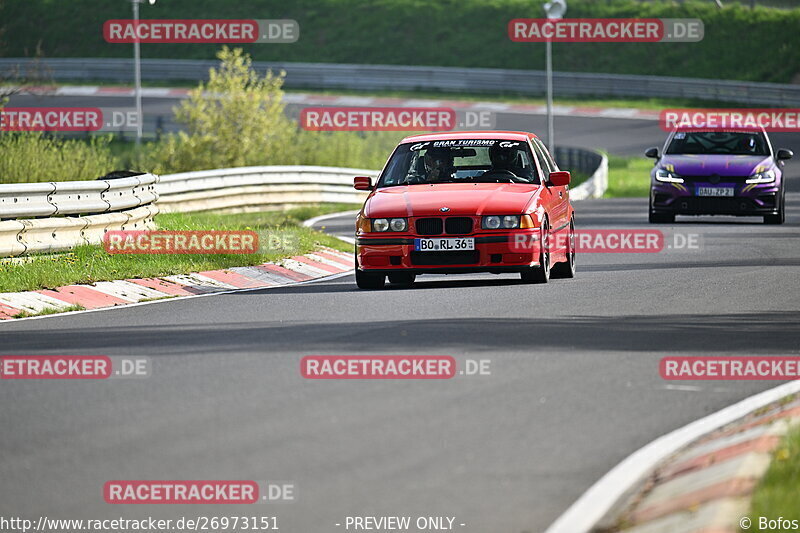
x=717, y=173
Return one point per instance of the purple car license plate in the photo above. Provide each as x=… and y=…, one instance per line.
x=715, y=191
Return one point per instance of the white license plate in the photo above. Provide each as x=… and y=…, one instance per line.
x=444, y=245
x=715, y=191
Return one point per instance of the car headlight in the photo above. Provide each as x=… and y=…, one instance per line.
x=510, y=222
x=398, y=224
x=667, y=176
x=500, y=222
x=380, y=224
x=389, y=224
x=762, y=177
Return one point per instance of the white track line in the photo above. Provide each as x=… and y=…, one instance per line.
x=311, y=221
x=596, y=502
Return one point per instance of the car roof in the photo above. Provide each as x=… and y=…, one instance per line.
x=454, y=136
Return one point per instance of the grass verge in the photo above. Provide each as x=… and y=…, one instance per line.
x=89, y=264
x=50, y=311
x=777, y=495
x=628, y=177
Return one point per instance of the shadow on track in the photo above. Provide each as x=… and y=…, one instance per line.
x=773, y=333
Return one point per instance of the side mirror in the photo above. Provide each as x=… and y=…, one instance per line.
x=560, y=178
x=651, y=152
x=362, y=183
x=784, y=154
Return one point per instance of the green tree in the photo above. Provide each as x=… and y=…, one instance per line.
x=236, y=119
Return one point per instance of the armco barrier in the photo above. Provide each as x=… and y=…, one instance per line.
x=399, y=77
x=250, y=188
x=50, y=217
x=589, y=162
x=85, y=210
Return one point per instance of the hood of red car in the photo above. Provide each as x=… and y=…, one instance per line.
x=460, y=198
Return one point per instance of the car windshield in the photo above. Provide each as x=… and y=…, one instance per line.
x=718, y=142
x=460, y=161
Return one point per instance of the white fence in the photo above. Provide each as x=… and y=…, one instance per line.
x=50, y=217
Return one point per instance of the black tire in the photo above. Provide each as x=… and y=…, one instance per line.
x=540, y=274
x=661, y=218
x=779, y=218
x=402, y=278
x=368, y=281
x=566, y=269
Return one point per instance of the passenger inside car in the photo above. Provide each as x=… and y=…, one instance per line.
x=509, y=160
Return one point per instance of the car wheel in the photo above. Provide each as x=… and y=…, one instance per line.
x=661, y=218
x=540, y=274
x=566, y=269
x=369, y=281
x=365, y=280
x=779, y=218
x=402, y=278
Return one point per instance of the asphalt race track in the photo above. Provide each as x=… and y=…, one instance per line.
x=574, y=385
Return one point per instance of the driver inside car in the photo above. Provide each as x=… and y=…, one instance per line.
x=439, y=164
x=507, y=159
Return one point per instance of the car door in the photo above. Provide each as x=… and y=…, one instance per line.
x=559, y=207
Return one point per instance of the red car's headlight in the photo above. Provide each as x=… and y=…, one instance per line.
x=382, y=225
x=500, y=222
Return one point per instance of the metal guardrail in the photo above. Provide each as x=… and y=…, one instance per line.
x=252, y=188
x=399, y=77
x=585, y=161
x=50, y=217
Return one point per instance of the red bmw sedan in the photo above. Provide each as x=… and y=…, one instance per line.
x=447, y=203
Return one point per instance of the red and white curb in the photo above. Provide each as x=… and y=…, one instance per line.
x=323, y=263
x=684, y=452
x=368, y=101
x=707, y=487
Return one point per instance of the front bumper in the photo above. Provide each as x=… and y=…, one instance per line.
x=748, y=199
x=495, y=252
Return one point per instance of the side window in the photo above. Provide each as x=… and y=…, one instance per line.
x=548, y=158
x=544, y=163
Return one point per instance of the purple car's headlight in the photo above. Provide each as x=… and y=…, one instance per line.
x=762, y=177
x=666, y=176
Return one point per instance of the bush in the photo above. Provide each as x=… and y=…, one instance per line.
x=238, y=119
x=33, y=157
